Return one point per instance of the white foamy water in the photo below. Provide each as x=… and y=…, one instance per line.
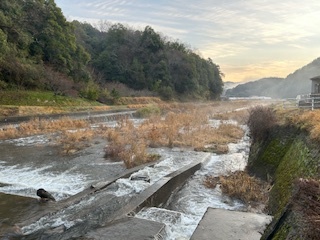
x=61, y=218
x=188, y=206
x=28, y=141
x=24, y=181
x=127, y=186
x=216, y=123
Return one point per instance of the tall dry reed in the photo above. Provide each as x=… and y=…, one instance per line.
x=179, y=127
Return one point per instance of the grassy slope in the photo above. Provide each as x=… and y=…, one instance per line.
x=16, y=103
x=36, y=98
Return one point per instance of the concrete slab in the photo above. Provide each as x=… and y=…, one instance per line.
x=128, y=229
x=221, y=224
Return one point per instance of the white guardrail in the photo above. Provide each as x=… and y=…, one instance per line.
x=303, y=101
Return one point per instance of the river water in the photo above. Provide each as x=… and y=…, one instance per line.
x=27, y=164
x=187, y=207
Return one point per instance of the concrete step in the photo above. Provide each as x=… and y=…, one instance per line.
x=130, y=229
x=222, y=224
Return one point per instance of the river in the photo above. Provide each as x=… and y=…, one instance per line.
x=27, y=164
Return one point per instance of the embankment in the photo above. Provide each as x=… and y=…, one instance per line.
x=286, y=157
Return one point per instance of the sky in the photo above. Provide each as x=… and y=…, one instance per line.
x=248, y=39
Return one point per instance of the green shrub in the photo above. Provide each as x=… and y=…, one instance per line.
x=148, y=111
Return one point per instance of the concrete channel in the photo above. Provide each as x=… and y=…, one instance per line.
x=111, y=217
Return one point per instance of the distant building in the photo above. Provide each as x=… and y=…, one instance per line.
x=311, y=100
x=315, y=86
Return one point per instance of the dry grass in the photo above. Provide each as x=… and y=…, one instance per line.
x=9, y=110
x=187, y=130
x=37, y=126
x=73, y=141
x=40, y=110
x=310, y=120
x=261, y=121
x=306, y=201
x=184, y=125
x=126, y=143
x=9, y=132
x=138, y=100
x=239, y=185
x=240, y=116
x=301, y=118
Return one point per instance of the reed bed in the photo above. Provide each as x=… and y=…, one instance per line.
x=182, y=126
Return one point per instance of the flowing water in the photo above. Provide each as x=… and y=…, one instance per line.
x=187, y=207
x=27, y=164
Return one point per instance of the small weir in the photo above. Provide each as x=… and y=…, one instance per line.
x=115, y=201
x=93, y=116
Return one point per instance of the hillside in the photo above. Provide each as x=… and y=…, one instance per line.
x=266, y=87
x=294, y=84
x=41, y=50
x=228, y=85
x=299, y=82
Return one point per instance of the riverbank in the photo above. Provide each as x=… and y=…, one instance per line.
x=288, y=157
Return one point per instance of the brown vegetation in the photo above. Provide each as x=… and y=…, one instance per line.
x=310, y=120
x=240, y=116
x=302, y=118
x=37, y=126
x=127, y=144
x=261, y=120
x=138, y=100
x=240, y=185
x=9, y=111
x=306, y=201
x=184, y=125
x=73, y=141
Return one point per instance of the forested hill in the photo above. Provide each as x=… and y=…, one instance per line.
x=40, y=50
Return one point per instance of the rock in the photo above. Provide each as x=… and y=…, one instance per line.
x=44, y=195
x=140, y=178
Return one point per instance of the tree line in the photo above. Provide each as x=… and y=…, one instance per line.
x=40, y=49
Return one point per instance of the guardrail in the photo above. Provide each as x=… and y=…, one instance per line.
x=305, y=101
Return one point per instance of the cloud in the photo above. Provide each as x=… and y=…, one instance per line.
x=255, y=71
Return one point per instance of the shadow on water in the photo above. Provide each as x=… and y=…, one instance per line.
x=14, y=209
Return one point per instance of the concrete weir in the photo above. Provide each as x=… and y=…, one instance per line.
x=92, y=116
x=108, y=216
x=130, y=229
x=155, y=195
